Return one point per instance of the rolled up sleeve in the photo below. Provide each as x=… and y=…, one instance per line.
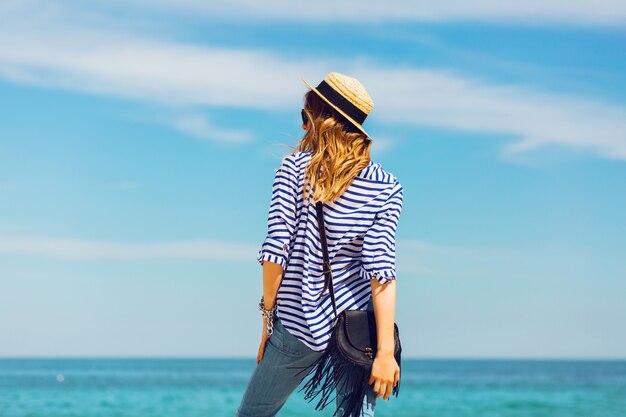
x=378, y=256
x=281, y=220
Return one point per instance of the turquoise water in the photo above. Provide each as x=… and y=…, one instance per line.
x=213, y=388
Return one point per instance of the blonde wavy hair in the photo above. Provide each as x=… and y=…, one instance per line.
x=339, y=151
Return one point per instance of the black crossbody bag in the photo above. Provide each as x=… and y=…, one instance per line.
x=350, y=352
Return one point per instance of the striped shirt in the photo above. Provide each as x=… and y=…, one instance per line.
x=360, y=231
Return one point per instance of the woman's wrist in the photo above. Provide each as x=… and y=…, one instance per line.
x=266, y=312
x=268, y=316
x=384, y=351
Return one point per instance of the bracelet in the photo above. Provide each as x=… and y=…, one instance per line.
x=269, y=314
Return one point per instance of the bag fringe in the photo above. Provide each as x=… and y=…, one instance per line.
x=328, y=371
x=396, y=389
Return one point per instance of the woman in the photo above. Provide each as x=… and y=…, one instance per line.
x=362, y=205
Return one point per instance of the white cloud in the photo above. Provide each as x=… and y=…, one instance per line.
x=169, y=73
x=82, y=249
x=459, y=262
x=415, y=258
x=530, y=12
x=184, y=76
x=444, y=99
x=199, y=126
x=57, y=47
x=496, y=266
x=424, y=257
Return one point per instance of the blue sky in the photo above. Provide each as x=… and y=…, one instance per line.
x=138, y=142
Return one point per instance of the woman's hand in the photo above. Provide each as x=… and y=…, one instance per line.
x=264, y=338
x=385, y=374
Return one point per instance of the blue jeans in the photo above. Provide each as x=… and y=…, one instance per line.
x=272, y=382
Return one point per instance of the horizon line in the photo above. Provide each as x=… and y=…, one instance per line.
x=422, y=358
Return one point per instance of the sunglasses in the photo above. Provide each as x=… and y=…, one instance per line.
x=305, y=118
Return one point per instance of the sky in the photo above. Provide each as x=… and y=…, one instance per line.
x=138, y=142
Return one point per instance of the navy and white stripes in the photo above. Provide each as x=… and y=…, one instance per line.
x=360, y=230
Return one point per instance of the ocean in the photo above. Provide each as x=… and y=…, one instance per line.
x=214, y=387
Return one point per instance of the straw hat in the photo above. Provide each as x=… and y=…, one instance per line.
x=346, y=95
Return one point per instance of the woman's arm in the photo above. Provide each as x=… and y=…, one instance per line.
x=385, y=370
x=281, y=226
x=384, y=299
x=272, y=275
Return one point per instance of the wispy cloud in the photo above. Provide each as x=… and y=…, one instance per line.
x=190, y=76
x=169, y=73
x=453, y=261
x=445, y=99
x=425, y=257
x=532, y=12
x=530, y=266
x=84, y=249
x=415, y=258
x=199, y=126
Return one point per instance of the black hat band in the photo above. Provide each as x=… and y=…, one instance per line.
x=341, y=102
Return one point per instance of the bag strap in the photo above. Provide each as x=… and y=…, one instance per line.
x=328, y=277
